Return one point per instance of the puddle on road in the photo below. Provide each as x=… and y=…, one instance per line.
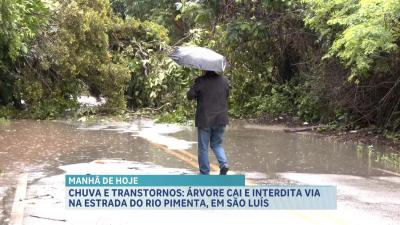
x=150, y=131
x=273, y=151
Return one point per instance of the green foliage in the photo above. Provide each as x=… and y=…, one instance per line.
x=18, y=27
x=78, y=52
x=140, y=46
x=162, y=12
x=394, y=136
x=20, y=21
x=7, y=112
x=274, y=104
x=52, y=53
x=260, y=57
x=118, y=7
x=180, y=115
x=360, y=31
x=197, y=14
x=308, y=106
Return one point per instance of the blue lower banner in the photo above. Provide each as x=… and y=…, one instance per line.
x=188, y=192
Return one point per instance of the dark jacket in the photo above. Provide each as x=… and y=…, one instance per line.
x=211, y=92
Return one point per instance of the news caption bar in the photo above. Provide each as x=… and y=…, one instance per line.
x=191, y=192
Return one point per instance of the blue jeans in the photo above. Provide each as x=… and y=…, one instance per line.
x=210, y=136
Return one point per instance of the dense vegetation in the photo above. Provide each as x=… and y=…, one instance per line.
x=330, y=61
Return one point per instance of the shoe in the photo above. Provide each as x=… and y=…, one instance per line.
x=223, y=171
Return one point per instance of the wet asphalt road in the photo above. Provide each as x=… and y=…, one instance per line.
x=367, y=189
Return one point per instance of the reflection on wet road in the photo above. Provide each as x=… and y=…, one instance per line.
x=45, y=150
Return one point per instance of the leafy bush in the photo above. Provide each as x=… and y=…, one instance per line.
x=359, y=30
x=7, y=112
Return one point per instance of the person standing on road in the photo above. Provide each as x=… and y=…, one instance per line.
x=211, y=92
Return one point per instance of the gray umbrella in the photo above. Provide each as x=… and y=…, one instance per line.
x=199, y=58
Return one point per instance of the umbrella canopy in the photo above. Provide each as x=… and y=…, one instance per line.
x=199, y=58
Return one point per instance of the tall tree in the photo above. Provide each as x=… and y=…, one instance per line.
x=20, y=21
